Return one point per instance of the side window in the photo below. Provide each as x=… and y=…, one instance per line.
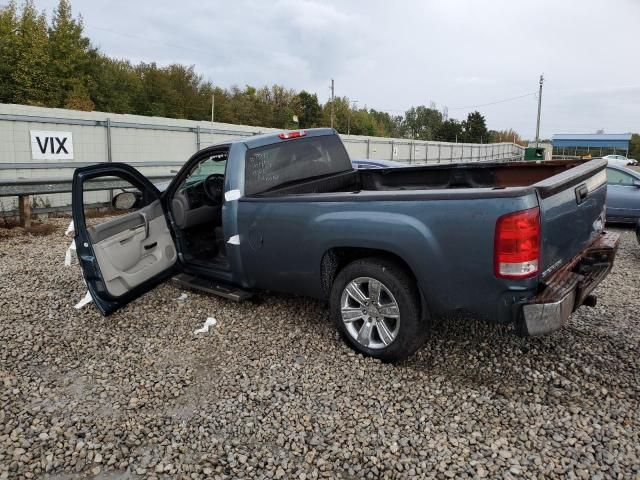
x=215, y=164
x=105, y=198
x=202, y=187
x=616, y=177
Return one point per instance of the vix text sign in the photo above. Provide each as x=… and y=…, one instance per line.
x=51, y=145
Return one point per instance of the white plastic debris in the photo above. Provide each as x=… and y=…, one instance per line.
x=71, y=255
x=86, y=300
x=235, y=240
x=210, y=322
x=70, y=229
x=182, y=297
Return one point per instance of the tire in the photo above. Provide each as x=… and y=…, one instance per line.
x=391, y=329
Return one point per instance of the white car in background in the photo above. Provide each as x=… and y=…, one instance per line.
x=619, y=160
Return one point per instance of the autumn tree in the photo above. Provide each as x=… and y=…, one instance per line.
x=508, y=135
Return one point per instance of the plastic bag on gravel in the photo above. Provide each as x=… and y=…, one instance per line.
x=210, y=322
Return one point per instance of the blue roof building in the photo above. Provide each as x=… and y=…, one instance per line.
x=591, y=143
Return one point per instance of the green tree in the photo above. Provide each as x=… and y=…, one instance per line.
x=309, y=110
x=158, y=97
x=450, y=131
x=475, y=129
x=30, y=78
x=187, y=92
x=281, y=107
x=71, y=59
x=387, y=125
x=341, y=107
x=116, y=86
x=422, y=122
x=223, y=107
x=244, y=106
x=9, y=30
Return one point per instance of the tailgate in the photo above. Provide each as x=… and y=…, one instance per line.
x=572, y=206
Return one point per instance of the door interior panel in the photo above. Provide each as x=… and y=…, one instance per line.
x=133, y=248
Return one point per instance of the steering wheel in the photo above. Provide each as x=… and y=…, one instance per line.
x=214, y=188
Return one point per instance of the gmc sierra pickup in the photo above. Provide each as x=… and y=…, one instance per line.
x=389, y=248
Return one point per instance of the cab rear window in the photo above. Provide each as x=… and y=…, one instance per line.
x=271, y=166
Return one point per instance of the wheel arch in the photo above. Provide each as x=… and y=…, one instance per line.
x=336, y=258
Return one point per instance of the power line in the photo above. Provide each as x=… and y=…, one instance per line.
x=147, y=39
x=467, y=106
x=494, y=103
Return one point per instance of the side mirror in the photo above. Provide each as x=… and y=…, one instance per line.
x=636, y=183
x=126, y=200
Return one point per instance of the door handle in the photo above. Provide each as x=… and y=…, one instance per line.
x=146, y=224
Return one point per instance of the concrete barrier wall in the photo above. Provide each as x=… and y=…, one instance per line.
x=103, y=137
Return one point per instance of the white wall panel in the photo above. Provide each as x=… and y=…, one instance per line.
x=142, y=143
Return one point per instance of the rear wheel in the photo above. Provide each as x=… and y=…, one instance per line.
x=375, y=305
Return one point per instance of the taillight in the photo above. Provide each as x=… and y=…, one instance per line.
x=294, y=134
x=517, y=244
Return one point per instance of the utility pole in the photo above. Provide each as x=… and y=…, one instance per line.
x=353, y=104
x=539, y=108
x=213, y=102
x=332, y=93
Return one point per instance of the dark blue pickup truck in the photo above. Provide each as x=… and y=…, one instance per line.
x=390, y=248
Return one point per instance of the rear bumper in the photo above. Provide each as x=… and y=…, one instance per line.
x=567, y=288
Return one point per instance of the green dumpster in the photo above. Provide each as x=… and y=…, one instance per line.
x=534, y=153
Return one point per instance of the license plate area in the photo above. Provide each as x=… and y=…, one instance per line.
x=582, y=273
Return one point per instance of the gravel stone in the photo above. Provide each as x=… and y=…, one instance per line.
x=271, y=391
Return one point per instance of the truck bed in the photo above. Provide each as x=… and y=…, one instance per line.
x=434, y=177
x=453, y=207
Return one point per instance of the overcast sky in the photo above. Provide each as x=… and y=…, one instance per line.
x=392, y=55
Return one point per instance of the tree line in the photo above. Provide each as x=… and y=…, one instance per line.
x=54, y=64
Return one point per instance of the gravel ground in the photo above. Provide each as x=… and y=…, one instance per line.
x=272, y=392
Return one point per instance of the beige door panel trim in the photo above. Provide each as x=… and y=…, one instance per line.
x=126, y=258
x=108, y=229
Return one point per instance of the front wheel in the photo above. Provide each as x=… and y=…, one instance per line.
x=375, y=305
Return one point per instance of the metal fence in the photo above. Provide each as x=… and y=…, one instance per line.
x=159, y=147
